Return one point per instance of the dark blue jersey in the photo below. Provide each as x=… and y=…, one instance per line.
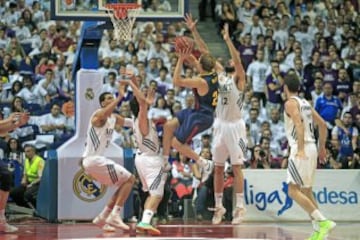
x=209, y=100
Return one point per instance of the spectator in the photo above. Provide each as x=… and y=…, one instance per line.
x=49, y=85
x=111, y=86
x=7, y=68
x=274, y=83
x=328, y=106
x=317, y=92
x=14, y=151
x=15, y=50
x=256, y=76
x=227, y=16
x=22, y=32
x=31, y=93
x=53, y=122
x=254, y=124
x=277, y=126
x=258, y=159
x=62, y=43
x=345, y=140
x=309, y=73
x=26, y=194
x=164, y=82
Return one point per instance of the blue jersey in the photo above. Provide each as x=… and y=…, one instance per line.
x=328, y=108
x=209, y=100
x=345, y=140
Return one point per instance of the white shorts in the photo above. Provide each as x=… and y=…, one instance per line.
x=105, y=170
x=229, y=140
x=152, y=176
x=301, y=172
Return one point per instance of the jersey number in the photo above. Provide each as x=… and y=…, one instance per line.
x=224, y=101
x=215, y=98
x=311, y=130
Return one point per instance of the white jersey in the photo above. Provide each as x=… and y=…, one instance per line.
x=99, y=138
x=307, y=120
x=230, y=100
x=149, y=144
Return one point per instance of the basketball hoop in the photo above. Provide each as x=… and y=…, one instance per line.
x=123, y=16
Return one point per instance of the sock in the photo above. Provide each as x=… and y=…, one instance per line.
x=166, y=158
x=315, y=225
x=239, y=200
x=116, y=210
x=147, y=215
x=105, y=212
x=218, y=199
x=317, y=216
x=2, y=214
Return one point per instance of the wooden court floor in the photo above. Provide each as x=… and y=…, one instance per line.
x=181, y=230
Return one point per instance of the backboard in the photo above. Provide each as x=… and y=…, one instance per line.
x=94, y=10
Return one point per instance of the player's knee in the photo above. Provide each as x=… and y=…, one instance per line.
x=157, y=195
x=6, y=181
x=132, y=179
x=219, y=170
x=292, y=190
x=236, y=170
x=175, y=143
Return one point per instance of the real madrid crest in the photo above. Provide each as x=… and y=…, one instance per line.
x=86, y=188
x=89, y=94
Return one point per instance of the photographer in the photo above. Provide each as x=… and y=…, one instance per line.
x=259, y=159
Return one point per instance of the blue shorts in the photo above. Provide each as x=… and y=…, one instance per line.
x=192, y=122
x=6, y=177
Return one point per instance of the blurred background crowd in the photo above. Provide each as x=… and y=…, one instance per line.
x=318, y=40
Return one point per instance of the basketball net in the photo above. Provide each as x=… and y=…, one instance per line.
x=123, y=17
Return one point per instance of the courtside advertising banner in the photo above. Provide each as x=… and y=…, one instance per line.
x=336, y=191
x=79, y=196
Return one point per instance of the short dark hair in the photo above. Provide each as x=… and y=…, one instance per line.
x=102, y=96
x=134, y=107
x=292, y=82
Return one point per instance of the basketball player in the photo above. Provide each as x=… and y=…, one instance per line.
x=106, y=171
x=12, y=122
x=229, y=126
x=148, y=160
x=300, y=118
x=230, y=133
x=179, y=131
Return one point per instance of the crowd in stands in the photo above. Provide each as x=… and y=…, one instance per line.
x=319, y=41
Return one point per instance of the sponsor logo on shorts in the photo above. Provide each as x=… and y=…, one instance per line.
x=86, y=188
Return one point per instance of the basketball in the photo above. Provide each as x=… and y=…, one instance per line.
x=69, y=2
x=184, y=44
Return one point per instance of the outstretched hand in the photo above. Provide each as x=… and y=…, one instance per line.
x=19, y=118
x=225, y=32
x=189, y=21
x=150, y=96
x=122, y=87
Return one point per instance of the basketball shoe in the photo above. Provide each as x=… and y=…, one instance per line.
x=7, y=228
x=115, y=221
x=100, y=222
x=145, y=227
x=238, y=216
x=325, y=227
x=219, y=213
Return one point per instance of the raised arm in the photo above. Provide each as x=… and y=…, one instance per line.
x=144, y=123
x=100, y=117
x=191, y=24
x=15, y=120
x=195, y=82
x=235, y=56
